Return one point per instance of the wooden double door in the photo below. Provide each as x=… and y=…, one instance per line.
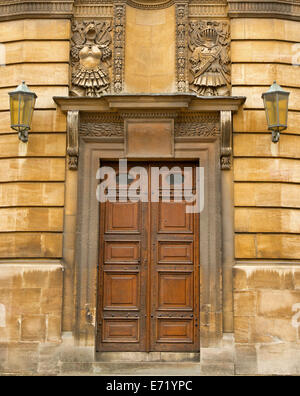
x=149, y=271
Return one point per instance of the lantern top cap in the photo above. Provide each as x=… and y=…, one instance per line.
x=23, y=88
x=275, y=88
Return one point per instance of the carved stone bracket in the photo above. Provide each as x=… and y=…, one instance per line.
x=119, y=46
x=72, y=143
x=226, y=143
x=181, y=46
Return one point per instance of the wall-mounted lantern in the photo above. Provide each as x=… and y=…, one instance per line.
x=276, y=102
x=22, y=102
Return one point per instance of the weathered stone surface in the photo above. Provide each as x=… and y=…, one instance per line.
x=44, y=97
x=36, y=51
x=281, y=358
x=32, y=194
x=31, y=219
x=33, y=328
x=266, y=169
x=267, y=194
x=32, y=169
x=34, y=74
x=42, y=121
x=245, y=303
x=281, y=220
x=15, y=245
x=264, y=29
x=246, y=360
x=277, y=304
x=35, y=29
x=247, y=145
x=251, y=121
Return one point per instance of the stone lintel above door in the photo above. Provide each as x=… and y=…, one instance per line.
x=174, y=116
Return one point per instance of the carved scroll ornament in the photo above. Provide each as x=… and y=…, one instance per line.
x=210, y=58
x=90, y=56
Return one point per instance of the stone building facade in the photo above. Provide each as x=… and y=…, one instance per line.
x=190, y=74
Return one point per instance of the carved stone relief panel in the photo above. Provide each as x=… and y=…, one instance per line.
x=209, y=58
x=119, y=46
x=198, y=125
x=181, y=46
x=91, y=55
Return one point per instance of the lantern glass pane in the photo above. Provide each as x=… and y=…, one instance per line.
x=14, y=109
x=271, y=109
x=283, y=110
x=26, y=110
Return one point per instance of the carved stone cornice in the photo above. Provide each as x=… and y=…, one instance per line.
x=264, y=9
x=94, y=11
x=198, y=125
x=16, y=9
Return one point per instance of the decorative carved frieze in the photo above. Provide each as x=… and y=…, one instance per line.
x=119, y=46
x=209, y=44
x=91, y=57
x=101, y=125
x=196, y=125
x=181, y=46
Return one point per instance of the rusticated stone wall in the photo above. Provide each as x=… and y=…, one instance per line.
x=32, y=192
x=266, y=198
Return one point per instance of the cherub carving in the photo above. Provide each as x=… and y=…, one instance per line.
x=210, y=59
x=90, y=56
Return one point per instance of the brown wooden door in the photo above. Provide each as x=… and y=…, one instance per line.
x=148, y=274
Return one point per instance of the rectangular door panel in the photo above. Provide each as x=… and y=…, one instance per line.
x=120, y=330
x=122, y=291
x=174, y=331
x=170, y=252
x=117, y=252
x=175, y=291
x=123, y=217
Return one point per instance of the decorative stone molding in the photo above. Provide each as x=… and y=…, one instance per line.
x=268, y=9
x=181, y=46
x=90, y=57
x=16, y=9
x=203, y=10
x=101, y=125
x=196, y=125
x=72, y=145
x=119, y=46
x=209, y=44
x=226, y=143
x=95, y=11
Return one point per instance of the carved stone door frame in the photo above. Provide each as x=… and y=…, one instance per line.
x=197, y=137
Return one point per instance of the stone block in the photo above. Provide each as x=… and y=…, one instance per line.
x=245, y=303
x=242, y=329
x=30, y=245
x=31, y=219
x=31, y=194
x=51, y=301
x=267, y=194
x=32, y=169
x=267, y=170
x=246, y=360
x=268, y=330
x=250, y=121
x=35, y=29
x=42, y=121
x=33, y=328
x=26, y=301
x=254, y=100
x=278, y=359
x=264, y=29
x=35, y=74
x=245, y=246
x=277, y=303
x=23, y=358
x=279, y=220
x=240, y=281
x=53, y=329
x=285, y=246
